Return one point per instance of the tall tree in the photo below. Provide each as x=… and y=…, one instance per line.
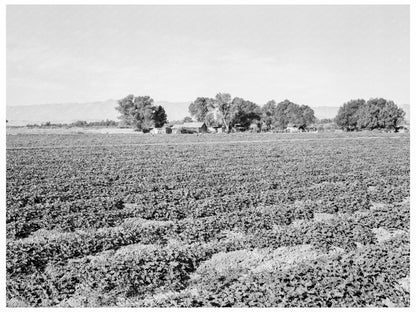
x=392, y=115
x=126, y=107
x=268, y=113
x=288, y=112
x=244, y=112
x=308, y=116
x=159, y=116
x=200, y=108
x=347, y=117
x=223, y=105
x=141, y=113
x=213, y=118
x=379, y=113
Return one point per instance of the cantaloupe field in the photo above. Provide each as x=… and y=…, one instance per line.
x=239, y=220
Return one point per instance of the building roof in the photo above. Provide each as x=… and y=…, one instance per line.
x=189, y=125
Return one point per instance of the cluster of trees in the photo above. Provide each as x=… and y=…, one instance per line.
x=227, y=112
x=281, y=114
x=376, y=113
x=141, y=113
x=86, y=124
x=223, y=110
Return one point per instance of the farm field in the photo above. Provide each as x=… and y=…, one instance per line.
x=239, y=220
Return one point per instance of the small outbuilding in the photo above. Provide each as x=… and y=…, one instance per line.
x=402, y=127
x=162, y=130
x=239, y=128
x=254, y=127
x=190, y=127
x=312, y=128
x=292, y=128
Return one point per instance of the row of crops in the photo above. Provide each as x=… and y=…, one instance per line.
x=153, y=225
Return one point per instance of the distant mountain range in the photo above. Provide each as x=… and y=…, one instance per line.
x=71, y=112
x=97, y=111
x=325, y=112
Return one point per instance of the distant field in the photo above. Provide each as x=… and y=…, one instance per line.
x=68, y=131
x=241, y=220
x=78, y=137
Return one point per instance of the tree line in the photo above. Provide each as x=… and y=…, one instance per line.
x=220, y=111
x=224, y=111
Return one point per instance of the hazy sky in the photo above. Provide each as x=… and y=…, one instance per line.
x=314, y=55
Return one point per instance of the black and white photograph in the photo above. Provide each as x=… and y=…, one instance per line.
x=207, y=155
